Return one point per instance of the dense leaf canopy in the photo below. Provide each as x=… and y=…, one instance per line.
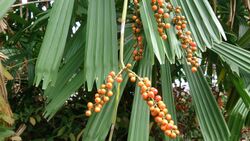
x=60, y=53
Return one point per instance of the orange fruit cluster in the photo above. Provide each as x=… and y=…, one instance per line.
x=103, y=94
x=137, y=29
x=157, y=108
x=187, y=42
x=161, y=14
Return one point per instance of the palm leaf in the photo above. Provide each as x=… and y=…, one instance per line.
x=242, y=91
x=173, y=43
x=240, y=57
x=51, y=52
x=212, y=123
x=5, y=132
x=74, y=52
x=203, y=23
x=64, y=94
x=244, y=41
x=237, y=119
x=239, y=114
x=68, y=81
x=246, y=79
x=4, y=6
x=150, y=30
x=101, y=43
x=139, y=129
x=167, y=92
x=98, y=125
x=196, y=25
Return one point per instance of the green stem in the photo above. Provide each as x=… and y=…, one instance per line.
x=115, y=112
x=123, y=23
x=140, y=79
x=111, y=132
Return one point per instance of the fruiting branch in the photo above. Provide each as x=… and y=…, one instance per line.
x=123, y=23
x=137, y=28
x=150, y=94
x=134, y=74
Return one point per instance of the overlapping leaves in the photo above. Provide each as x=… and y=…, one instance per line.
x=212, y=123
x=101, y=41
x=240, y=57
x=203, y=22
x=52, y=49
x=70, y=76
x=99, y=124
x=139, y=130
x=167, y=91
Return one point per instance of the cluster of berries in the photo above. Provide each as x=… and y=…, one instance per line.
x=161, y=14
x=103, y=94
x=157, y=108
x=150, y=94
x=137, y=29
x=184, y=36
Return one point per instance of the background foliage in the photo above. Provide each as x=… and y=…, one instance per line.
x=81, y=37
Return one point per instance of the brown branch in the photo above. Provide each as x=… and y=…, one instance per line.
x=21, y=10
x=214, y=5
x=32, y=2
x=247, y=4
x=234, y=12
x=231, y=18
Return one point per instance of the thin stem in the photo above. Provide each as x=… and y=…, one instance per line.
x=123, y=23
x=115, y=112
x=31, y=2
x=120, y=72
x=215, y=5
x=11, y=67
x=111, y=132
x=138, y=77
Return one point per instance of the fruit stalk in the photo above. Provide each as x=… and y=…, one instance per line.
x=123, y=22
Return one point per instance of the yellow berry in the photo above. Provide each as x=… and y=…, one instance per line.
x=105, y=98
x=109, y=85
x=128, y=65
x=119, y=79
x=97, y=109
x=133, y=79
x=88, y=113
x=90, y=105
x=110, y=93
